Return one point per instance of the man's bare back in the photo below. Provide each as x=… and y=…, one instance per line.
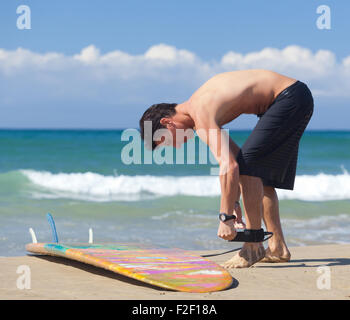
x=227, y=95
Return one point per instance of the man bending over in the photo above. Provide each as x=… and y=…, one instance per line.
x=266, y=161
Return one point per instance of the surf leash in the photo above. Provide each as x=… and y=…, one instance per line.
x=218, y=254
x=250, y=235
x=247, y=235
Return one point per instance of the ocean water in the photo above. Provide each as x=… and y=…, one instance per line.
x=80, y=178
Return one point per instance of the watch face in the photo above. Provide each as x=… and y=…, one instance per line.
x=222, y=217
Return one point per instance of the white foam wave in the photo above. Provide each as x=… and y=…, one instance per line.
x=97, y=187
x=321, y=187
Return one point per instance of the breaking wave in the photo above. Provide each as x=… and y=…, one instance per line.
x=96, y=187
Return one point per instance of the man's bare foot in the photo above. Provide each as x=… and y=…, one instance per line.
x=277, y=255
x=250, y=253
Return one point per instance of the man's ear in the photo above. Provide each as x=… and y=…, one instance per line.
x=165, y=121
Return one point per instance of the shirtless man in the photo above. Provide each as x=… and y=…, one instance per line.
x=266, y=161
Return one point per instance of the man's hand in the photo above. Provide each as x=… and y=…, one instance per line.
x=227, y=230
x=238, y=223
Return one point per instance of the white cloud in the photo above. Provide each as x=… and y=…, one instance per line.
x=20, y=60
x=162, y=72
x=167, y=53
x=290, y=60
x=88, y=55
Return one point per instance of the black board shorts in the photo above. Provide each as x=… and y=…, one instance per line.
x=271, y=150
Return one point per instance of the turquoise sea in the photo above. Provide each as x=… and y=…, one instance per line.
x=79, y=177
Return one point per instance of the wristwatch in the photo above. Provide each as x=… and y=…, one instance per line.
x=225, y=217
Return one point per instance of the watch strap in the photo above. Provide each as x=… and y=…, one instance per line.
x=227, y=217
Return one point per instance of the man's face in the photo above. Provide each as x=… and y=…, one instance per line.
x=175, y=134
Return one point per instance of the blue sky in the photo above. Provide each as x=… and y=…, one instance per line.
x=144, y=52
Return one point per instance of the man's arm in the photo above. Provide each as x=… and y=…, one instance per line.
x=219, y=143
x=237, y=211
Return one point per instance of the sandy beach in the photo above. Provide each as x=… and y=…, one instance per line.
x=59, y=278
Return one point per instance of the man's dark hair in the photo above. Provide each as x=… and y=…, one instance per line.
x=154, y=113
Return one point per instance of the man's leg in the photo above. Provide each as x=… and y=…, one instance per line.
x=277, y=250
x=252, y=194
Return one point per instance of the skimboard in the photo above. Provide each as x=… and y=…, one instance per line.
x=169, y=268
